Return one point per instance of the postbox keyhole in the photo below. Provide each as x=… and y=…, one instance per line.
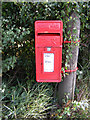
x=48, y=48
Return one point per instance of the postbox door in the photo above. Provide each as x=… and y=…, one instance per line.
x=49, y=64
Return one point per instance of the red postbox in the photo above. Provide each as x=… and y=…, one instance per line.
x=48, y=50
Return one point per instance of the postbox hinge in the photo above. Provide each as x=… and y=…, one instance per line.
x=70, y=70
x=70, y=41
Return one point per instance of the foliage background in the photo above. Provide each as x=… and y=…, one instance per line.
x=18, y=52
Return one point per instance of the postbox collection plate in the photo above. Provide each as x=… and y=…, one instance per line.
x=48, y=50
x=48, y=62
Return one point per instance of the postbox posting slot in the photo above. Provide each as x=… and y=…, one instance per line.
x=48, y=34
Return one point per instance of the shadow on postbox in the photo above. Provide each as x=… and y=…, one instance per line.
x=48, y=50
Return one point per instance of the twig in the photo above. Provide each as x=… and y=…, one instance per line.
x=13, y=77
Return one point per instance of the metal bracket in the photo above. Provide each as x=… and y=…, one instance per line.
x=70, y=70
x=70, y=41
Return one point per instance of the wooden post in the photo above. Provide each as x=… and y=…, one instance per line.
x=68, y=84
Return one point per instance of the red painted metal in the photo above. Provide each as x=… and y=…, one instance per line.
x=70, y=41
x=70, y=70
x=48, y=50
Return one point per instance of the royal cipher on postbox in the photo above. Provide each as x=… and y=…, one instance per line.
x=48, y=50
